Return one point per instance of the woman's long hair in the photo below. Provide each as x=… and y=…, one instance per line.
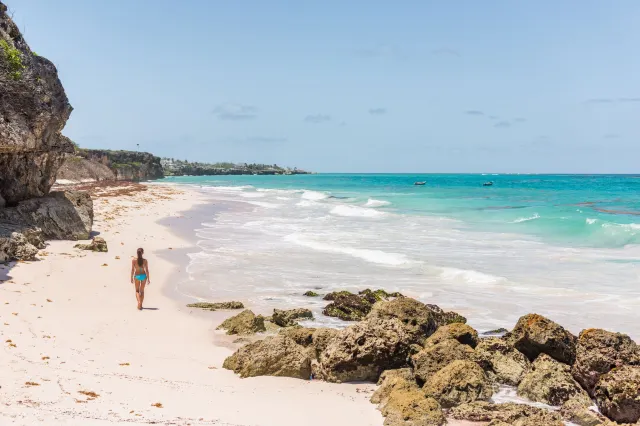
x=140, y=252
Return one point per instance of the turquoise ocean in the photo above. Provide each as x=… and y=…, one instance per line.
x=566, y=246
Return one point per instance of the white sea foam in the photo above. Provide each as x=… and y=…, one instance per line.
x=526, y=219
x=591, y=221
x=228, y=188
x=265, y=204
x=373, y=256
x=314, y=195
x=252, y=195
x=469, y=276
x=355, y=211
x=372, y=202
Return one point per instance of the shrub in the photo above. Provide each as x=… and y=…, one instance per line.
x=13, y=58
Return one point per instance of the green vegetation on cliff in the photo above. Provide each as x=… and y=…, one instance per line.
x=173, y=167
x=14, y=61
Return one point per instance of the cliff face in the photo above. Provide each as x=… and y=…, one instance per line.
x=33, y=110
x=126, y=165
x=78, y=169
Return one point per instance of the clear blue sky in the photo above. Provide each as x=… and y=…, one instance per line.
x=358, y=86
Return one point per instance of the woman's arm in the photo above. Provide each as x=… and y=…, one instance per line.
x=133, y=270
x=146, y=269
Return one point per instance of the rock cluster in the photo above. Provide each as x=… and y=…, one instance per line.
x=216, y=305
x=424, y=364
x=354, y=307
x=246, y=322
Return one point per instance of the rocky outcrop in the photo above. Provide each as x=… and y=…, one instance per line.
x=580, y=412
x=59, y=215
x=301, y=335
x=501, y=361
x=311, y=294
x=508, y=413
x=289, y=318
x=97, y=244
x=347, y=307
x=33, y=111
x=246, y=322
x=364, y=350
x=125, y=165
x=599, y=351
x=535, y=334
x=461, y=332
x=434, y=358
x=208, y=306
x=420, y=321
x=458, y=383
x=405, y=407
x=274, y=356
x=550, y=382
x=617, y=394
x=76, y=169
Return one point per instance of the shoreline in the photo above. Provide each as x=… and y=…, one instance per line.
x=90, y=338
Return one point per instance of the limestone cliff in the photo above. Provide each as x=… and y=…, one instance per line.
x=33, y=110
x=125, y=165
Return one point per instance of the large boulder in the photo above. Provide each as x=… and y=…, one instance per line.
x=502, y=362
x=15, y=245
x=364, y=350
x=598, y=351
x=457, y=383
x=461, y=332
x=33, y=111
x=507, y=413
x=246, y=322
x=434, y=358
x=617, y=394
x=417, y=318
x=289, y=318
x=409, y=407
x=535, y=334
x=59, y=216
x=347, y=307
x=550, y=382
x=444, y=318
x=391, y=380
x=273, y=356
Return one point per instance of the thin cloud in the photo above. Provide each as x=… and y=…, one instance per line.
x=266, y=139
x=519, y=120
x=377, y=111
x=629, y=100
x=317, y=118
x=474, y=112
x=233, y=111
x=502, y=124
x=599, y=101
x=494, y=117
x=445, y=51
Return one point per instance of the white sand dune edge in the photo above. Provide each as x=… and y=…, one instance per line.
x=69, y=328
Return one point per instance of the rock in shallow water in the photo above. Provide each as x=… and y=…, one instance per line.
x=598, y=351
x=347, y=307
x=246, y=322
x=457, y=383
x=216, y=305
x=288, y=318
x=550, y=382
x=617, y=394
x=274, y=356
x=535, y=334
x=579, y=412
x=502, y=362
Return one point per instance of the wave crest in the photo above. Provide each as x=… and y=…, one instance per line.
x=354, y=211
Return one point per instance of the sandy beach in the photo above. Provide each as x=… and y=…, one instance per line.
x=76, y=351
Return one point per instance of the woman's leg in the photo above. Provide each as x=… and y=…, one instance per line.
x=141, y=293
x=137, y=284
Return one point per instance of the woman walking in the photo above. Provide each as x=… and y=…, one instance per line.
x=140, y=274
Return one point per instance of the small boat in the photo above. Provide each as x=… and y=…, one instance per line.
x=488, y=183
x=420, y=183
